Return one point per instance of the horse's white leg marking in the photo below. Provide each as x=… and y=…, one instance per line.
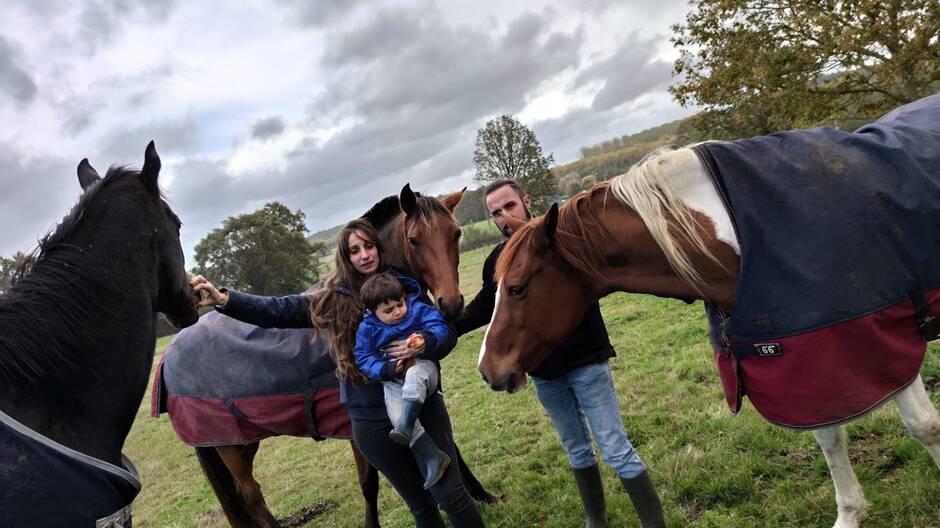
x=920, y=416
x=499, y=286
x=849, y=498
x=695, y=188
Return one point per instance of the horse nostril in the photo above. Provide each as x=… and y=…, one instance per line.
x=440, y=303
x=485, y=379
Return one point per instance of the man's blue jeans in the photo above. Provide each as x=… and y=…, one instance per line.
x=586, y=396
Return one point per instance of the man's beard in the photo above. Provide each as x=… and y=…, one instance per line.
x=505, y=230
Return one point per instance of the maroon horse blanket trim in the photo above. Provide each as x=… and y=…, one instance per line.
x=823, y=386
x=839, y=285
x=225, y=382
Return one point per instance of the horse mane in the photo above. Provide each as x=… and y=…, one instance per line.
x=383, y=212
x=389, y=208
x=42, y=331
x=645, y=188
x=570, y=236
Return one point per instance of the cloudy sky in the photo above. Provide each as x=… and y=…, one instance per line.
x=324, y=105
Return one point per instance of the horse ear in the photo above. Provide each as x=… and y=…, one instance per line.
x=151, y=169
x=551, y=222
x=408, y=200
x=514, y=223
x=450, y=202
x=87, y=174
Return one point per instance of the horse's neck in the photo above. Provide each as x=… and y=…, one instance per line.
x=91, y=407
x=692, y=186
x=393, y=244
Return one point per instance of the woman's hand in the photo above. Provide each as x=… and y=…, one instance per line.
x=208, y=293
x=404, y=364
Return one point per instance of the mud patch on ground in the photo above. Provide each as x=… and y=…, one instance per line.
x=301, y=517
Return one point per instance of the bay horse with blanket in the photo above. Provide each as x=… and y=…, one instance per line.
x=227, y=385
x=77, y=335
x=815, y=252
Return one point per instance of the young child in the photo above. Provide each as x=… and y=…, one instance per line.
x=389, y=317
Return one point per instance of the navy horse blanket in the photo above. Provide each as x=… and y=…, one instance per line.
x=840, y=264
x=44, y=483
x=226, y=382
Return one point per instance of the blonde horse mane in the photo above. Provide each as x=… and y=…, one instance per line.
x=646, y=188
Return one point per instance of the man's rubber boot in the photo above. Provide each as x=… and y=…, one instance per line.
x=645, y=500
x=435, y=461
x=401, y=434
x=592, y=496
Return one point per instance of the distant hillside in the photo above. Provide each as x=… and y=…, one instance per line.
x=326, y=234
x=613, y=157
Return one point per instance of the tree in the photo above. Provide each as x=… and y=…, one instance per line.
x=757, y=66
x=8, y=267
x=507, y=149
x=471, y=208
x=265, y=252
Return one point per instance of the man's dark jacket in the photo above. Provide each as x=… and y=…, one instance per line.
x=588, y=344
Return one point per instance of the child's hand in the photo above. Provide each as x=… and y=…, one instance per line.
x=404, y=364
x=416, y=343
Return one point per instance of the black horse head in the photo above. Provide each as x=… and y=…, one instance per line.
x=77, y=328
x=173, y=296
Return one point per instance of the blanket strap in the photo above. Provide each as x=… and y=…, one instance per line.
x=310, y=412
x=927, y=321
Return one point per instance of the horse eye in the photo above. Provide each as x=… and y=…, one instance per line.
x=516, y=291
x=413, y=241
x=458, y=235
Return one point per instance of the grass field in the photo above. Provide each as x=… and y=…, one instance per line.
x=712, y=469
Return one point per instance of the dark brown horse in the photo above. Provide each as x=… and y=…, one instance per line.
x=77, y=335
x=420, y=238
x=663, y=229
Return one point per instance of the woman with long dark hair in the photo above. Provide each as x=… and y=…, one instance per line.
x=336, y=310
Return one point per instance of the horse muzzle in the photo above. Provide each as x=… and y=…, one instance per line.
x=510, y=383
x=451, y=309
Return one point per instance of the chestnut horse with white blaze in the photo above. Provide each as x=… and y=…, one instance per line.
x=678, y=225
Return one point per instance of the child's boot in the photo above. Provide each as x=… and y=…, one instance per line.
x=401, y=434
x=435, y=461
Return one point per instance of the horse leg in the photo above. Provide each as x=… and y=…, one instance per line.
x=849, y=497
x=920, y=416
x=476, y=490
x=240, y=461
x=369, y=483
x=220, y=478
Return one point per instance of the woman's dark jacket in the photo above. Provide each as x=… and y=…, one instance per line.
x=365, y=399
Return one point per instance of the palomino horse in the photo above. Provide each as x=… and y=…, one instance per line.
x=816, y=227
x=420, y=238
x=77, y=335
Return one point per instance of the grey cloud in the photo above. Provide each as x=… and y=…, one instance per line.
x=15, y=82
x=319, y=13
x=101, y=20
x=37, y=194
x=630, y=72
x=441, y=74
x=126, y=146
x=267, y=128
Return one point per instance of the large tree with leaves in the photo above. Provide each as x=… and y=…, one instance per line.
x=8, y=267
x=507, y=149
x=758, y=66
x=265, y=252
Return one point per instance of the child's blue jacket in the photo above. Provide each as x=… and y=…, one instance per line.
x=373, y=335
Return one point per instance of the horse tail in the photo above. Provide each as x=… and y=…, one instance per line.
x=223, y=484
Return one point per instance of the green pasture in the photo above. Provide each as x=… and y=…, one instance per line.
x=712, y=469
